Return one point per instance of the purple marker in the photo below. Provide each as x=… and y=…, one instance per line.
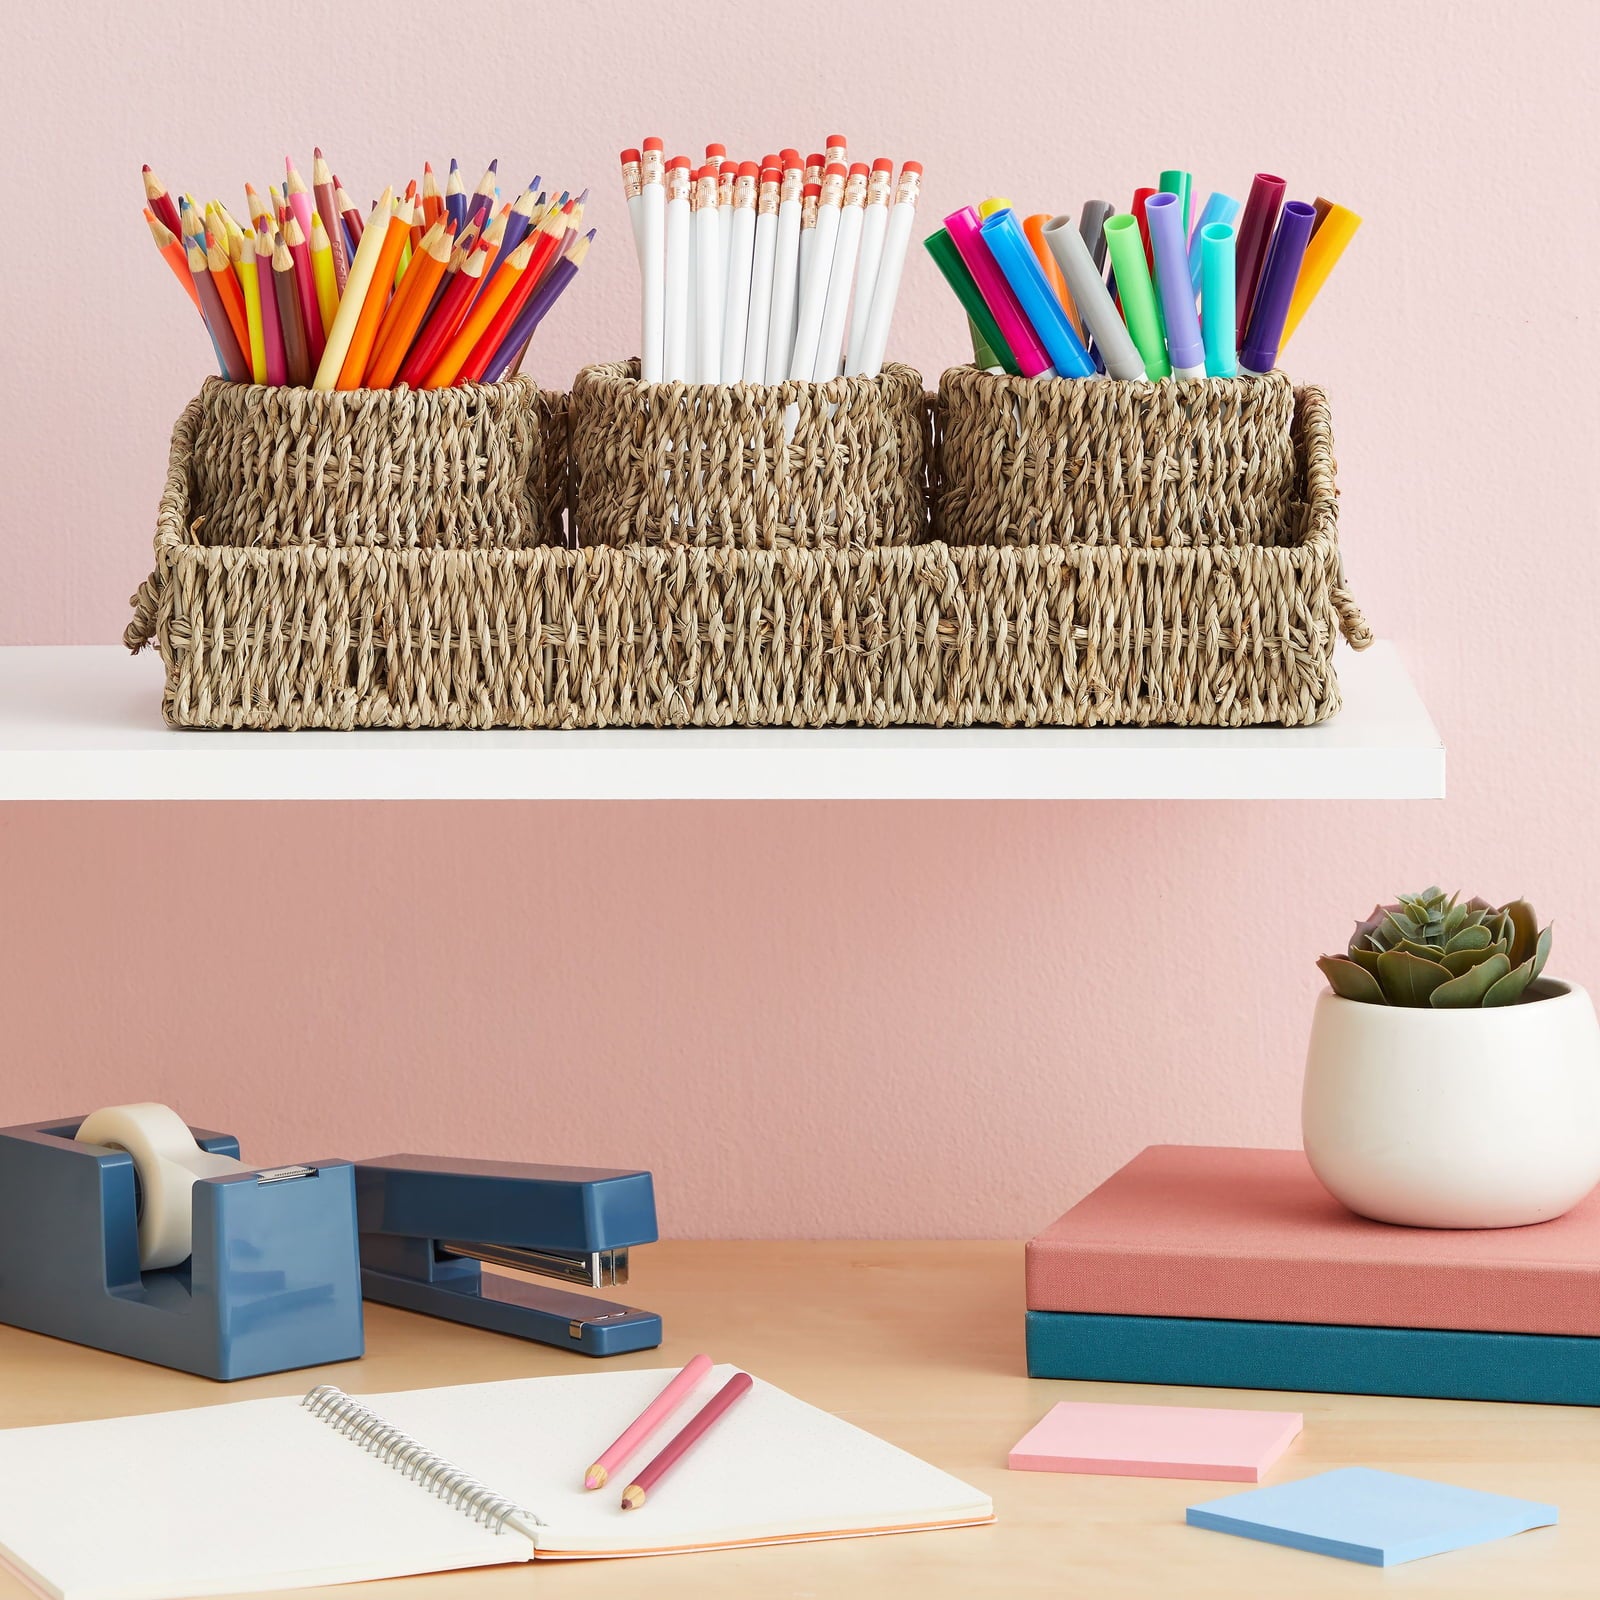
x=1287, y=250
x=1185, y=348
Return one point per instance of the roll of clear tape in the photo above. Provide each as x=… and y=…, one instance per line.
x=167, y=1161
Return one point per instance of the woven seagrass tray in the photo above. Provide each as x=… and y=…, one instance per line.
x=510, y=626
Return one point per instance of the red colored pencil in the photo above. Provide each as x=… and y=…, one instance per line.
x=328, y=210
x=445, y=318
x=693, y=1432
x=160, y=202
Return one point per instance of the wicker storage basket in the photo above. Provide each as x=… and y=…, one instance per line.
x=749, y=466
x=1092, y=461
x=547, y=636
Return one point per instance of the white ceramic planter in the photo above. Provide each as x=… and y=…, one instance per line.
x=1464, y=1118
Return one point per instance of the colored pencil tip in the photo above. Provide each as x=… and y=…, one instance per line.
x=595, y=1477
x=632, y=1497
x=316, y=152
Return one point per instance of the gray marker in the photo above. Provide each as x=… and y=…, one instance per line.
x=1093, y=299
x=1092, y=228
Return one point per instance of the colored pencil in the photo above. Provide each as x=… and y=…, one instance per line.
x=291, y=312
x=354, y=226
x=328, y=210
x=482, y=201
x=250, y=287
x=546, y=245
x=677, y=1390
x=432, y=200
x=228, y=290
x=299, y=196
x=396, y=236
x=362, y=265
x=229, y=357
x=173, y=253
x=160, y=202
x=473, y=326
x=271, y=324
x=324, y=276
x=455, y=198
x=411, y=299
x=445, y=318
x=692, y=1433
x=305, y=284
x=508, y=358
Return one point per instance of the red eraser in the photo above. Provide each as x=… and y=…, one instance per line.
x=811, y=190
x=815, y=161
x=859, y=169
x=837, y=141
x=715, y=151
x=769, y=161
x=912, y=166
x=653, y=144
x=790, y=158
x=630, y=155
x=834, y=169
x=748, y=169
x=678, y=161
x=728, y=167
x=771, y=175
x=883, y=164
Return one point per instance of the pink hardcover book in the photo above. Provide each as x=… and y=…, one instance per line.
x=1250, y=1235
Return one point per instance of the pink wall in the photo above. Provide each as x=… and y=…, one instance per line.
x=821, y=1019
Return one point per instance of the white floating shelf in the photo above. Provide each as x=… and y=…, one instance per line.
x=83, y=722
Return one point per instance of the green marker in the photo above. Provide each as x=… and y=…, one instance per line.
x=1175, y=182
x=1137, y=294
x=948, y=260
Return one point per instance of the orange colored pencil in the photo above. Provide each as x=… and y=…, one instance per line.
x=547, y=240
x=411, y=300
x=445, y=319
x=228, y=290
x=432, y=200
x=372, y=308
x=174, y=255
x=494, y=295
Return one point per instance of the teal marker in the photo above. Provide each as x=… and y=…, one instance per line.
x=1175, y=182
x=1217, y=310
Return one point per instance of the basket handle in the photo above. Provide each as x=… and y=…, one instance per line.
x=1355, y=628
x=146, y=603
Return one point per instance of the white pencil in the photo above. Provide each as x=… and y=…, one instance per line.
x=785, y=269
x=835, y=151
x=727, y=175
x=830, y=344
x=680, y=287
x=630, y=192
x=816, y=267
x=759, y=328
x=874, y=224
x=653, y=212
x=709, y=283
x=887, y=288
x=741, y=253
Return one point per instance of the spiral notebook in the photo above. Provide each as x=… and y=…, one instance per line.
x=333, y=1488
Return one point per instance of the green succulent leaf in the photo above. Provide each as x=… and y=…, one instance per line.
x=1459, y=961
x=1409, y=980
x=1524, y=930
x=1351, y=982
x=1428, y=952
x=1541, y=950
x=1397, y=927
x=1510, y=988
x=1471, y=986
x=1469, y=938
x=1367, y=959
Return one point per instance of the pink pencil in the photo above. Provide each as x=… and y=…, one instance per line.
x=305, y=286
x=681, y=1444
x=271, y=328
x=646, y=1423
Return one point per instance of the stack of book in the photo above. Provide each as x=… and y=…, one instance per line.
x=1237, y=1269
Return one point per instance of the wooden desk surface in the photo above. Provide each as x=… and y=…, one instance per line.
x=922, y=1343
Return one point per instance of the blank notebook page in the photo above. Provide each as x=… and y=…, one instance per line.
x=219, y=1500
x=772, y=1468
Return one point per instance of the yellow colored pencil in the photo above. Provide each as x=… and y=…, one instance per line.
x=250, y=284
x=356, y=286
x=323, y=274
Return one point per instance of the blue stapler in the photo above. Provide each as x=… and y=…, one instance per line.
x=265, y=1275
x=429, y=1222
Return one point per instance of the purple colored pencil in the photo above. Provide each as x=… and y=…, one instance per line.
x=1260, y=348
x=562, y=271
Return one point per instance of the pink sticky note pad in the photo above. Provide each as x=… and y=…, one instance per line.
x=1156, y=1441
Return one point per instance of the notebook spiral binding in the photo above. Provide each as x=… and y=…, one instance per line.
x=397, y=1449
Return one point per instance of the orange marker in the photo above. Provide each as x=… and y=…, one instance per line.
x=1033, y=227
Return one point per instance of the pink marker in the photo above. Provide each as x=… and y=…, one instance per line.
x=646, y=1423
x=965, y=230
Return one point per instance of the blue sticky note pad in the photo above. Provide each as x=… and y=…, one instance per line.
x=1380, y=1518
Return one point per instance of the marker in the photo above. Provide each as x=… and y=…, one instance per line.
x=985, y=329
x=1335, y=229
x=1138, y=294
x=965, y=232
x=1254, y=235
x=1219, y=208
x=1003, y=234
x=1093, y=300
x=1216, y=299
x=1172, y=181
x=1185, y=348
x=1259, y=352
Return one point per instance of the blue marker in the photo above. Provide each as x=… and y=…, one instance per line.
x=1012, y=253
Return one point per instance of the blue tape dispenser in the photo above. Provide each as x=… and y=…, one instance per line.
x=132, y=1232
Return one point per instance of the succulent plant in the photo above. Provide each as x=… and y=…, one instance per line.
x=1430, y=951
